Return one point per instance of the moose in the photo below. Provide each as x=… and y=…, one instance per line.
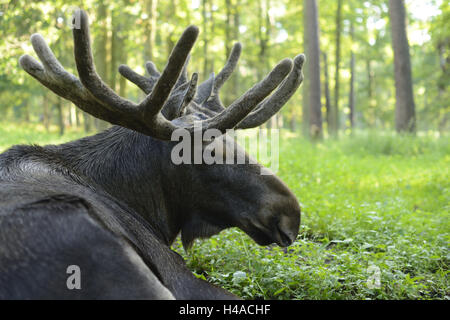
x=113, y=203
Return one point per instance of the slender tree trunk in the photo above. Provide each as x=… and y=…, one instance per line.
x=123, y=56
x=113, y=64
x=313, y=54
x=369, y=80
x=87, y=119
x=327, y=92
x=46, y=111
x=306, y=83
x=101, y=41
x=70, y=115
x=228, y=27
x=213, y=31
x=351, y=98
x=231, y=36
x=444, y=62
x=59, y=108
x=335, y=113
x=236, y=23
x=77, y=117
x=405, y=118
x=205, y=38
x=150, y=7
x=26, y=112
x=293, y=123
x=171, y=12
x=264, y=29
x=101, y=51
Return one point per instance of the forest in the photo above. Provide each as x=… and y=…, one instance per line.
x=364, y=142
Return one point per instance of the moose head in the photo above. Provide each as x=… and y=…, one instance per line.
x=132, y=161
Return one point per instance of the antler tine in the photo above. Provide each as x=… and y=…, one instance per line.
x=209, y=89
x=240, y=108
x=277, y=100
x=53, y=76
x=190, y=93
x=183, y=76
x=153, y=103
x=152, y=70
x=145, y=84
x=229, y=67
x=46, y=56
x=88, y=75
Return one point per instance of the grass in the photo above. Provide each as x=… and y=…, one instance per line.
x=375, y=206
x=25, y=133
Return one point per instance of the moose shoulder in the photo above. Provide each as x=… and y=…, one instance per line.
x=113, y=203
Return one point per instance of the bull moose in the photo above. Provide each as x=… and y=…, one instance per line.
x=113, y=203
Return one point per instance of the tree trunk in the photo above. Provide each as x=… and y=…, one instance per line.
x=123, y=56
x=87, y=119
x=77, y=117
x=113, y=64
x=59, y=107
x=444, y=61
x=335, y=113
x=327, y=92
x=213, y=31
x=46, y=112
x=170, y=13
x=313, y=66
x=235, y=75
x=369, y=79
x=205, y=39
x=101, y=51
x=306, y=84
x=264, y=30
x=26, y=112
x=405, y=119
x=228, y=27
x=293, y=123
x=150, y=7
x=351, y=98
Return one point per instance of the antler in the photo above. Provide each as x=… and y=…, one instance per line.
x=270, y=106
x=92, y=95
x=208, y=92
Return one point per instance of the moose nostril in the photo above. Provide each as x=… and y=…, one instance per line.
x=286, y=238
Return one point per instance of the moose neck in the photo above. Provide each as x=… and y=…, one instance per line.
x=136, y=169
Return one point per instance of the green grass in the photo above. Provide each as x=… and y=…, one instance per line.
x=25, y=133
x=370, y=200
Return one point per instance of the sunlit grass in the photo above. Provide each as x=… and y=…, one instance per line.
x=24, y=133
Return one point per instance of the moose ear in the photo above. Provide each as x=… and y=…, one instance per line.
x=204, y=90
